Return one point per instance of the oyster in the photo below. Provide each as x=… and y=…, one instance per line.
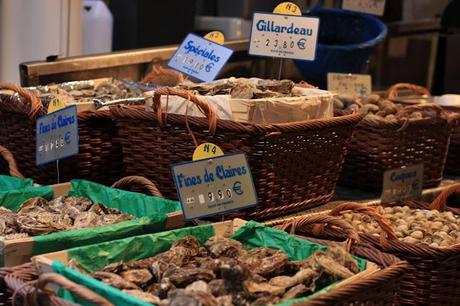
x=226, y=273
x=114, y=280
x=264, y=261
x=137, y=276
x=37, y=216
x=144, y=296
x=220, y=246
x=183, y=276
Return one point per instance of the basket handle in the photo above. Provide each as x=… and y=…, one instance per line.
x=9, y=158
x=76, y=289
x=440, y=203
x=140, y=181
x=28, y=98
x=424, y=107
x=393, y=91
x=387, y=231
x=202, y=105
x=306, y=225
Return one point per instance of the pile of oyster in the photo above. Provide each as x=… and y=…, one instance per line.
x=376, y=107
x=224, y=272
x=89, y=91
x=420, y=226
x=37, y=216
x=243, y=88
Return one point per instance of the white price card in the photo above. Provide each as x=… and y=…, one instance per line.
x=200, y=58
x=402, y=183
x=57, y=135
x=215, y=185
x=351, y=84
x=284, y=36
x=375, y=7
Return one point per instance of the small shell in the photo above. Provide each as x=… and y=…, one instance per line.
x=434, y=245
x=417, y=235
x=410, y=239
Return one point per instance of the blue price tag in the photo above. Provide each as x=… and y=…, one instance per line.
x=215, y=185
x=57, y=135
x=200, y=58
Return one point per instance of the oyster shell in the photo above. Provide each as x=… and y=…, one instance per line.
x=188, y=275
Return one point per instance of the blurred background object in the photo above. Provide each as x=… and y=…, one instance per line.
x=33, y=30
x=97, y=27
x=420, y=47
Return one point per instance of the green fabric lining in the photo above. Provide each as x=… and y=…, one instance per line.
x=96, y=256
x=10, y=183
x=151, y=212
x=252, y=235
x=14, y=191
x=133, y=203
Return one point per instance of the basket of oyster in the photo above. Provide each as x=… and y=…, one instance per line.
x=87, y=213
x=99, y=157
x=227, y=263
x=379, y=288
x=392, y=135
x=426, y=235
x=295, y=165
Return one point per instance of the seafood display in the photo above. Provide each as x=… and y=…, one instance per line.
x=37, y=216
x=378, y=108
x=91, y=91
x=424, y=227
x=224, y=272
x=243, y=88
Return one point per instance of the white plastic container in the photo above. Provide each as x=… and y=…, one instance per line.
x=97, y=27
x=233, y=28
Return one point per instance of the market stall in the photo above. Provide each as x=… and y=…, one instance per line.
x=275, y=169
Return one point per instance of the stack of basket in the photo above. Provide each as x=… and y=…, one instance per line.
x=99, y=158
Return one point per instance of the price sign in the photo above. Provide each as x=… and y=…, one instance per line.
x=284, y=36
x=375, y=7
x=402, y=183
x=213, y=186
x=200, y=58
x=347, y=83
x=57, y=135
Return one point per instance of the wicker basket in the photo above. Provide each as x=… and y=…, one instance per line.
x=21, y=285
x=294, y=165
x=378, y=288
x=380, y=145
x=99, y=159
x=453, y=156
x=433, y=276
x=8, y=163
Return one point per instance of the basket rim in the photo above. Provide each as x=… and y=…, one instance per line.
x=411, y=249
x=122, y=112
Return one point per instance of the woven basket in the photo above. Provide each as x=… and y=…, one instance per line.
x=8, y=163
x=21, y=285
x=433, y=276
x=99, y=159
x=378, y=288
x=380, y=145
x=453, y=156
x=294, y=165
